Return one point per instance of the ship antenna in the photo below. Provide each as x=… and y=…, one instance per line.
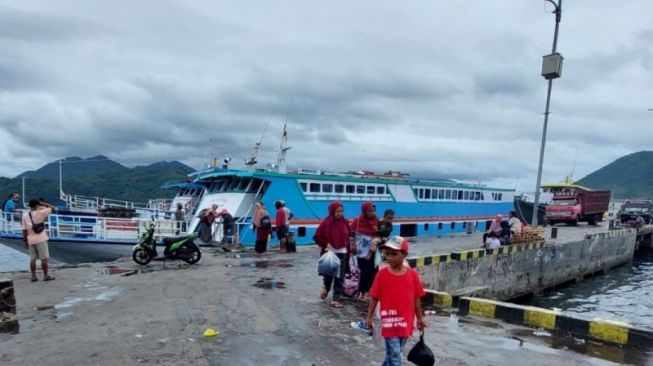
x=251, y=162
x=283, y=148
x=573, y=167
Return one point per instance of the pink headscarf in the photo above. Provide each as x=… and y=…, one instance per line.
x=496, y=224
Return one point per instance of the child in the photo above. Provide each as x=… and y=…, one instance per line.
x=385, y=226
x=399, y=289
x=492, y=241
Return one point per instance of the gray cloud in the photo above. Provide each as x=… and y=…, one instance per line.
x=442, y=90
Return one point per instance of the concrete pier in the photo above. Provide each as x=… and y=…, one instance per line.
x=510, y=272
x=266, y=309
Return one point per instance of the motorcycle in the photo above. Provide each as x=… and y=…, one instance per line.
x=180, y=247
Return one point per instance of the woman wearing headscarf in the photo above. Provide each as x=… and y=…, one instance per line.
x=495, y=227
x=333, y=234
x=263, y=226
x=365, y=230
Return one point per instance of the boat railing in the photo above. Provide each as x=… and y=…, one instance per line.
x=78, y=202
x=159, y=204
x=93, y=228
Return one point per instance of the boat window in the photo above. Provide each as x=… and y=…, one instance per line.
x=441, y=194
x=447, y=194
x=500, y=196
x=350, y=189
x=466, y=195
x=303, y=186
x=454, y=194
x=315, y=187
x=427, y=194
x=244, y=183
x=415, y=191
x=453, y=225
x=340, y=188
x=460, y=195
x=426, y=227
x=327, y=188
x=380, y=190
x=421, y=193
x=482, y=196
x=255, y=186
x=434, y=193
x=233, y=184
x=439, y=226
x=370, y=190
x=360, y=189
x=464, y=225
x=477, y=195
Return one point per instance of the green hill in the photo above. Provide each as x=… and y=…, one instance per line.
x=97, y=176
x=630, y=176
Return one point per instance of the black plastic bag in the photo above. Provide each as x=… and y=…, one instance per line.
x=420, y=354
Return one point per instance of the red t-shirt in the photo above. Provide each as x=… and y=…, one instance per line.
x=281, y=217
x=397, y=296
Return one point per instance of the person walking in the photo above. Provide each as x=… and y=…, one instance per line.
x=228, y=226
x=399, y=289
x=180, y=218
x=281, y=224
x=365, y=231
x=263, y=226
x=333, y=234
x=35, y=236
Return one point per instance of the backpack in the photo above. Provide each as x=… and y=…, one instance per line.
x=37, y=228
x=266, y=224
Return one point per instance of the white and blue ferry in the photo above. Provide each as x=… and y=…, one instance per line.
x=422, y=207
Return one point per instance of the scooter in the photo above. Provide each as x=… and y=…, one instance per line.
x=180, y=247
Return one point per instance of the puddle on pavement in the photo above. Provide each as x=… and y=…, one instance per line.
x=269, y=283
x=113, y=270
x=267, y=264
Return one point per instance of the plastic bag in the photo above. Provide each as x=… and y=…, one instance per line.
x=329, y=265
x=420, y=354
x=352, y=279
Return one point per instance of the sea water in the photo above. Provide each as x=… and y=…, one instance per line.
x=12, y=260
x=624, y=294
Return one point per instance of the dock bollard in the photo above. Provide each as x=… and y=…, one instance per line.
x=554, y=232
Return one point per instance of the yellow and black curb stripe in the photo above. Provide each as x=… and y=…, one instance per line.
x=436, y=259
x=646, y=229
x=598, y=329
x=437, y=299
x=467, y=254
x=612, y=234
x=429, y=260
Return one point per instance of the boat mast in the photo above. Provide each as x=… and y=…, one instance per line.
x=23, y=197
x=281, y=159
x=251, y=162
x=62, y=195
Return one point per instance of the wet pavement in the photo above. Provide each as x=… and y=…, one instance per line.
x=266, y=309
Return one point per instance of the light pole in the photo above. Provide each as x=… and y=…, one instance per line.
x=551, y=69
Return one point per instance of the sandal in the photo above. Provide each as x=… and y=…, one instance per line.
x=324, y=293
x=335, y=304
x=48, y=278
x=34, y=279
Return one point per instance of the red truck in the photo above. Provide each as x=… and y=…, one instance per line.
x=573, y=207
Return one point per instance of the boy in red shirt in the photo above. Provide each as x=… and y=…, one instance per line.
x=399, y=289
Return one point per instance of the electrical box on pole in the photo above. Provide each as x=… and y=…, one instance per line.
x=552, y=66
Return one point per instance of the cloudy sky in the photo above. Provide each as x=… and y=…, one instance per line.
x=442, y=89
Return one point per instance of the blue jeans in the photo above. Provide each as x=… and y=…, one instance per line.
x=394, y=346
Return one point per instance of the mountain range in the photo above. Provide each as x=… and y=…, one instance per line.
x=98, y=176
x=630, y=176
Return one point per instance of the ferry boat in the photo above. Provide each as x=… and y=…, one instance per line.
x=422, y=207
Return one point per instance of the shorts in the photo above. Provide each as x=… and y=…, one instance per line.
x=282, y=231
x=228, y=227
x=39, y=251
